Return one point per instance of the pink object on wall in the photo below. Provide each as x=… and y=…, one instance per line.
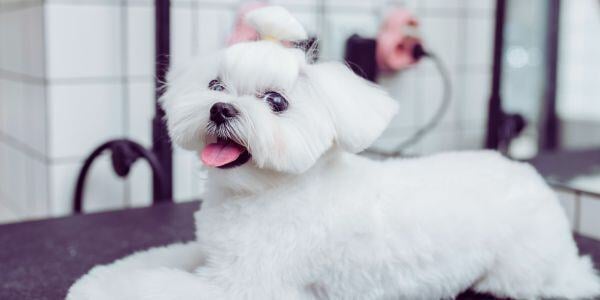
x=242, y=31
x=395, y=41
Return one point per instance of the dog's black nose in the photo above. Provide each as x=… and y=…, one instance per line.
x=220, y=112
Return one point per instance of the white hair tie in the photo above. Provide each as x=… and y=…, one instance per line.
x=275, y=23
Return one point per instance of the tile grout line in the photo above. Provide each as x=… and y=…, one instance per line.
x=25, y=98
x=462, y=35
x=21, y=147
x=99, y=80
x=195, y=47
x=125, y=88
x=20, y=77
x=47, y=99
x=195, y=23
x=17, y=6
x=32, y=153
x=7, y=212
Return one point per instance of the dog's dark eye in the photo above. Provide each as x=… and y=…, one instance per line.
x=216, y=85
x=276, y=101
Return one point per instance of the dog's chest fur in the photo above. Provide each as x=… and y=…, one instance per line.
x=291, y=224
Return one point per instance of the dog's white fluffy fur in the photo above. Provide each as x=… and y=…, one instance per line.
x=306, y=218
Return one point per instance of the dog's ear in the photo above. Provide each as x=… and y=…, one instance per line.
x=360, y=110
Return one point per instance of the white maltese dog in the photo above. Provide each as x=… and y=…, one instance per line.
x=292, y=213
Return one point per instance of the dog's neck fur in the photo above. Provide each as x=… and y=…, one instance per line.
x=250, y=180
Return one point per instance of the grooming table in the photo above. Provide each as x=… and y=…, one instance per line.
x=41, y=259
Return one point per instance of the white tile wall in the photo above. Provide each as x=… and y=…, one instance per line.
x=22, y=115
x=590, y=222
x=33, y=58
x=140, y=111
x=309, y=18
x=6, y=192
x=3, y=105
x=212, y=31
x=140, y=40
x=83, y=116
x=404, y=87
x=37, y=188
x=475, y=87
x=481, y=5
x=13, y=32
x=479, y=47
x=471, y=138
x=441, y=35
x=7, y=215
x=4, y=173
x=104, y=190
x=568, y=202
x=430, y=97
x=36, y=123
x=182, y=33
x=13, y=118
x=16, y=180
x=294, y=3
x=83, y=40
x=443, y=4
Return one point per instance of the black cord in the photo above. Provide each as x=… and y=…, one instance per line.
x=418, y=52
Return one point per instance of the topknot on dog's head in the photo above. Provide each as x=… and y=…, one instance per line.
x=277, y=24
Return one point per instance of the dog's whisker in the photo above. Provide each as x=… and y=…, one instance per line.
x=231, y=131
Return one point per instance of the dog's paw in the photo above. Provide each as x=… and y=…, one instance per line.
x=174, y=284
x=102, y=283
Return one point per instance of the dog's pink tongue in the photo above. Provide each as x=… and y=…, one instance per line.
x=218, y=154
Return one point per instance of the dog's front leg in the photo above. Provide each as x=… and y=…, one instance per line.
x=173, y=284
x=150, y=284
x=127, y=277
x=245, y=280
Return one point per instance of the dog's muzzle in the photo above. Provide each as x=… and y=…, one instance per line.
x=222, y=151
x=222, y=112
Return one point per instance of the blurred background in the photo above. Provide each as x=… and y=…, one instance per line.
x=525, y=79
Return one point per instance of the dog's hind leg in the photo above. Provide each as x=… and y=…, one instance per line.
x=542, y=263
x=576, y=279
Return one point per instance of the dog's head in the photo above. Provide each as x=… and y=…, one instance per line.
x=261, y=103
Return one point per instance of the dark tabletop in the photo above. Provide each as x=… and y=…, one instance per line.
x=560, y=167
x=41, y=259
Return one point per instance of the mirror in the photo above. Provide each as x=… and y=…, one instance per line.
x=546, y=103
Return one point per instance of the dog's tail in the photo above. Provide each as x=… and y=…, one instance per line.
x=576, y=280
